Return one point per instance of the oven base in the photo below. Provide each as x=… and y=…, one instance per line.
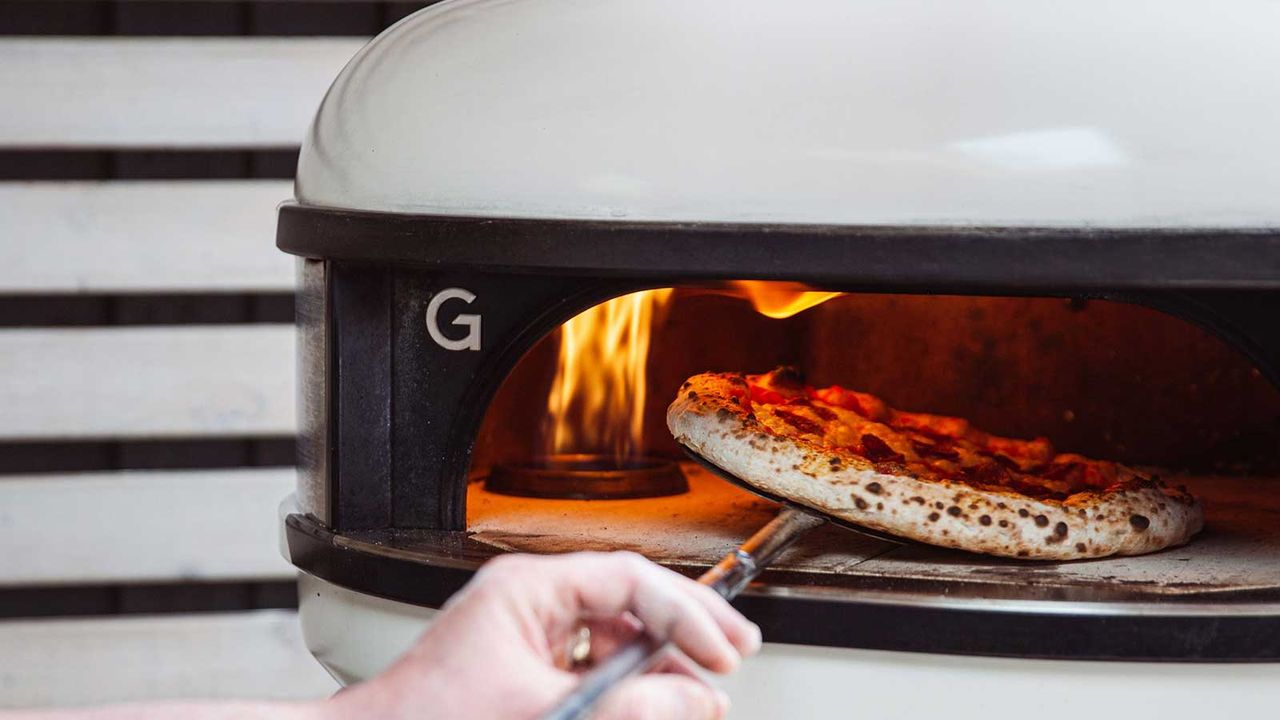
x=425, y=568
x=354, y=636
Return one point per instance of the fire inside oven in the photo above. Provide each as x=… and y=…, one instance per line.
x=573, y=452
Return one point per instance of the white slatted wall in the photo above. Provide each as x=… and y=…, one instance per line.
x=88, y=119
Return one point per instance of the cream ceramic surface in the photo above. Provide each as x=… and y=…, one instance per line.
x=870, y=112
x=355, y=635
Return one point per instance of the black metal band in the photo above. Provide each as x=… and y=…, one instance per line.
x=428, y=573
x=936, y=259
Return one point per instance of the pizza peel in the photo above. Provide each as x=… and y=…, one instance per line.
x=787, y=502
x=728, y=577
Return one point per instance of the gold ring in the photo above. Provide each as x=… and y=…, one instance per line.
x=579, y=648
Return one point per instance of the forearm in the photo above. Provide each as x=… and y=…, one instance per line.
x=183, y=711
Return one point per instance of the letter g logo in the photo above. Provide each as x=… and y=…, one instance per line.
x=470, y=341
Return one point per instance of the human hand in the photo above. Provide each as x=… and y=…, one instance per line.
x=499, y=648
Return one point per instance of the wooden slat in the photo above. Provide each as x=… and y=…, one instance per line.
x=258, y=655
x=164, y=381
x=188, y=92
x=142, y=236
x=143, y=526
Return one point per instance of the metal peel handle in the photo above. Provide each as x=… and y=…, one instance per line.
x=728, y=578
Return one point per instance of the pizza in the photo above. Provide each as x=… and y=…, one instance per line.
x=929, y=478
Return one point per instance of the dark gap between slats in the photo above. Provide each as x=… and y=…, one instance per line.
x=64, y=456
x=149, y=18
x=146, y=599
x=227, y=164
x=151, y=309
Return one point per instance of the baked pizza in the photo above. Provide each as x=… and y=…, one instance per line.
x=929, y=478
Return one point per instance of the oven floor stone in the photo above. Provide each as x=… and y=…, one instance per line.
x=1235, y=556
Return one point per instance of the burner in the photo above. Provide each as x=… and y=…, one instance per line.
x=588, y=477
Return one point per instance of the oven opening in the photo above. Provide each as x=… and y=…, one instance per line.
x=574, y=453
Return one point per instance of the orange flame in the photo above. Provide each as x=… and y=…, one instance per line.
x=597, y=399
x=777, y=299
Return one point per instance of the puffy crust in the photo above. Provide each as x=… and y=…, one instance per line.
x=708, y=417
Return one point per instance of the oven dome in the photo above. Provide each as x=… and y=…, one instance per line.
x=824, y=111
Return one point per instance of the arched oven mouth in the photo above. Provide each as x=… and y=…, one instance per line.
x=415, y=329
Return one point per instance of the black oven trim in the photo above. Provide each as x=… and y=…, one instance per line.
x=971, y=260
x=543, y=271
x=1226, y=280
x=428, y=577
x=387, y=468
x=384, y=373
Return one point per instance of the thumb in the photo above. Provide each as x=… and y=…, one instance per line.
x=663, y=697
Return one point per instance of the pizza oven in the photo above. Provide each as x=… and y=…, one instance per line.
x=522, y=225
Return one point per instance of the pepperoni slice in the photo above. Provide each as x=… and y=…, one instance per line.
x=877, y=450
x=868, y=406
x=799, y=422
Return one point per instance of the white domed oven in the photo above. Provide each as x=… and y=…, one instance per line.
x=523, y=224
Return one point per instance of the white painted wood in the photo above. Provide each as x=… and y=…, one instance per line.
x=186, y=92
x=59, y=663
x=163, y=381
x=142, y=236
x=143, y=526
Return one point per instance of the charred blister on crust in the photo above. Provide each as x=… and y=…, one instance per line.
x=1059, y=534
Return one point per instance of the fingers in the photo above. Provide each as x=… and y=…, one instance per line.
x=741, y=632
x=663, y=697
x=608, y=634
x=670, y=606
x=668, y=613
x=675, y=662
x=564, y=589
